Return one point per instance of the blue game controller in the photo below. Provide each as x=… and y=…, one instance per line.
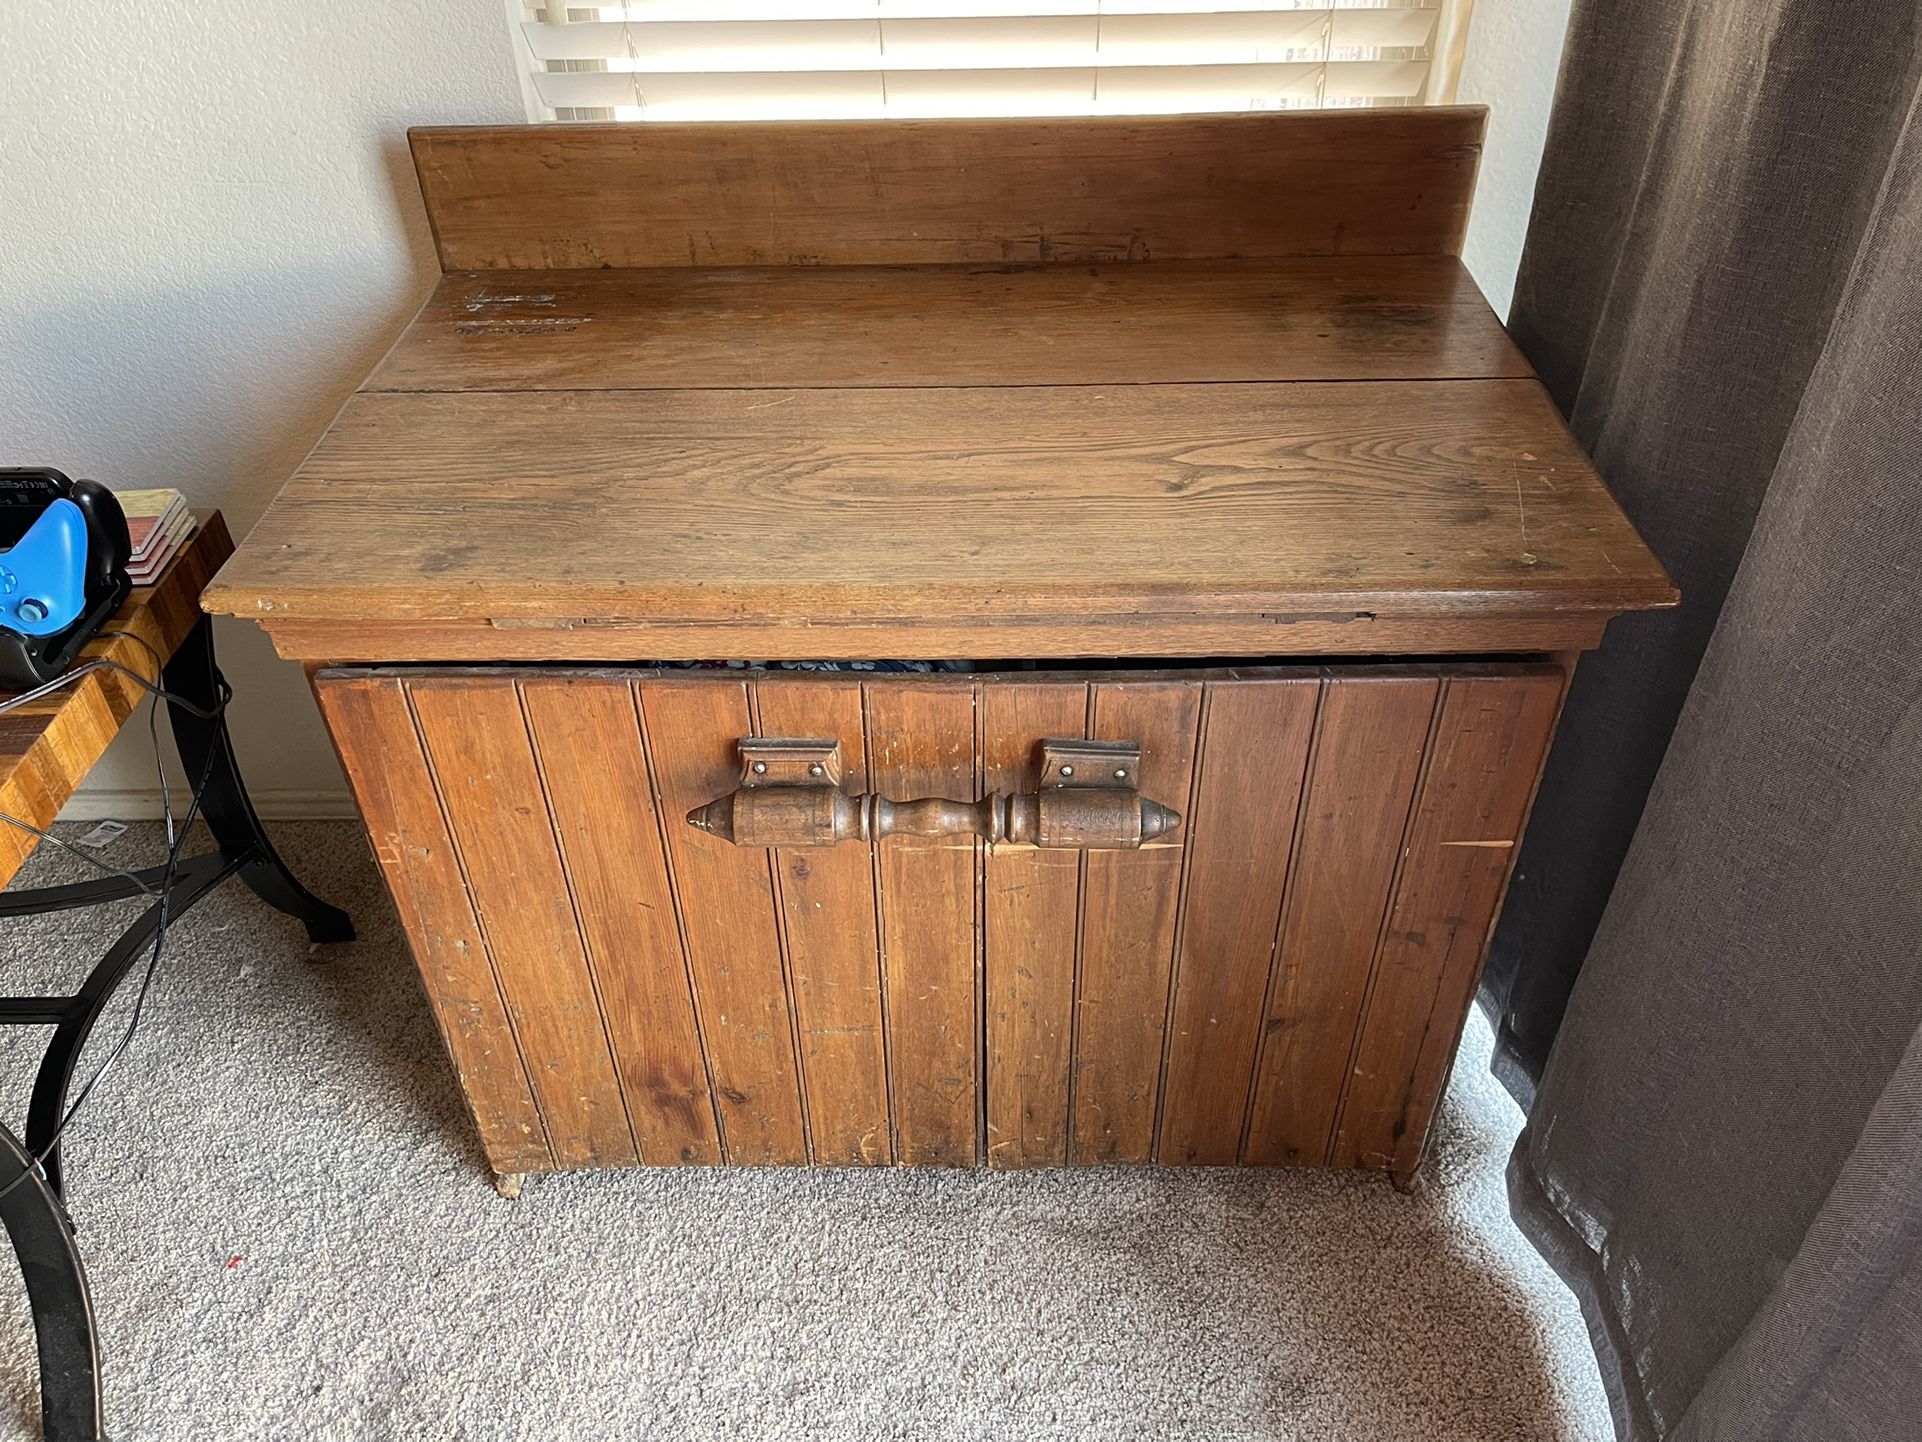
x=43, y=578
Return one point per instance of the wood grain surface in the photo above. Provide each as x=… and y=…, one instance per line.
x=1127, y=944
x=841, y=390
x=1278, y=980
x=828, y=913
x=1485, y=760
x=724, y=898
x=484, y=771
x=1346, y=318
x=595, y=782
x=921, y=742
x=1371, y=737
x=1385, y=182
x=373, y=729
x=1032, y=918
x=1383, y=499
x=1253, y=754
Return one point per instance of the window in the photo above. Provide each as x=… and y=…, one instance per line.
x=867, y=59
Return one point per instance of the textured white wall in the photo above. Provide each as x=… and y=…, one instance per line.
x=1514, y=48
x=209, y=231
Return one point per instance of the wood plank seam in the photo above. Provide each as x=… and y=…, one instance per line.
x=1477, y=789
x=580, y=924
x=372, y=778
x=526, y=393
x=477, y=736
x=1288, y=901
x=1352, y=836
x=880, y=943
x=1129, y=935
x=778, y=897
x=1080, y=953
x=827, y=901
x=926, y=748
x=1437, y=517
x=650, y=329
x=1032, y=905
x=480, y=923
x=1501, y=897
x=1387, y=918
x=1202, y=718
x=680, y=919
x=982, y=1154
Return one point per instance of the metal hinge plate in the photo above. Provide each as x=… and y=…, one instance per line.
x=1109, y=765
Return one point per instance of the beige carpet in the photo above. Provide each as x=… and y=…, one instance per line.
x=291, y=1235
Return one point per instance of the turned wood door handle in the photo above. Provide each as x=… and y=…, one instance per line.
x=790, y=795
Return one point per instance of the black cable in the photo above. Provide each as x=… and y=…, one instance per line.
x=101, y=663
x=159, y=661
x=146, y=979
x=65, y=845
x=177, y=840
x=153, y=723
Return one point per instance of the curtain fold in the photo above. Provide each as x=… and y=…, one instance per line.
x=1710, y=168
x=1724, y=1157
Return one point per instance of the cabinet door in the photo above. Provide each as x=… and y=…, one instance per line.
x=1277, y=976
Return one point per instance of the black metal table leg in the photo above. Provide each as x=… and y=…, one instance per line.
x=63, y=1320
x=30, y=1200
x=192, y=881
x=206, y=750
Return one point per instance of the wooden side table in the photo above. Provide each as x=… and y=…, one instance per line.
x=46, y=749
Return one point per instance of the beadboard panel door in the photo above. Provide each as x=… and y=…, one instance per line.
x=1278, y=979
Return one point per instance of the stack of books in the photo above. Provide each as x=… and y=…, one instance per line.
x=158, y=523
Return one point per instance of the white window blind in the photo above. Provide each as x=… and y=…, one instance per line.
x=915, y=59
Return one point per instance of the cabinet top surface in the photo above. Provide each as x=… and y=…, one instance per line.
x=1285, y=435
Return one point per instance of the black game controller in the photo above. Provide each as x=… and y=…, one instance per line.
x=69, y=569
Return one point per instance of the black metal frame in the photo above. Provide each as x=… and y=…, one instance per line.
x=63, y=1320
x=34, y=1210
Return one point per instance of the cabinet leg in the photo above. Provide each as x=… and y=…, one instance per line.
x=509, y=1184
x=205, y=750
x=1406, y=1182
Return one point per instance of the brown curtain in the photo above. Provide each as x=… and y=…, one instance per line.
x=1711, y=170
x=1723, y=288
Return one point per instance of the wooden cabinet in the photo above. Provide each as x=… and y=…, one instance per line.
x=1189, y=433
